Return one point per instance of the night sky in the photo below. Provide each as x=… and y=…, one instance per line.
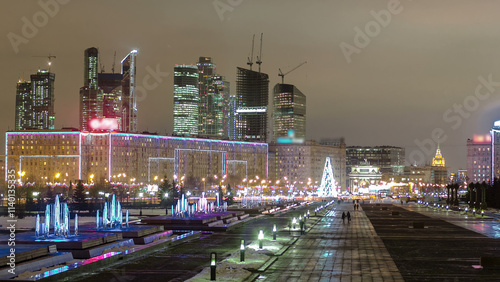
x=412, y=74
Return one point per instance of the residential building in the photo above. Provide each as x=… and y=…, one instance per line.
x=479, y=163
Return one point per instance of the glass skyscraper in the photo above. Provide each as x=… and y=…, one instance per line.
x=129, y=98
x=186, y=99
x=42, y=92
x=108, y=95
x=252, y=94
x=214, y=100
x=24, y=106
x=110, y=84
x=289, y=111
x=90, y=96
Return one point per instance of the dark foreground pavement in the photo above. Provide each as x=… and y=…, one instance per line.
x=441, y=251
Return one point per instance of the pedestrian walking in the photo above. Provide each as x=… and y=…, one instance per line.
x=348, y=217
x=354, y=206
x=343, y=217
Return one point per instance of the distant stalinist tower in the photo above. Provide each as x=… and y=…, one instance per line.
x=438, y=159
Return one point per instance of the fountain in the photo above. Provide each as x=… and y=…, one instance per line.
x=112, y=215
x=59, y=222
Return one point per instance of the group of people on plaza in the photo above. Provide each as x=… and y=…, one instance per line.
x=348, y=216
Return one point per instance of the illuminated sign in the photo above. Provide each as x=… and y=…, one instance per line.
x=252, y=110
x=106, y=124
x=290, y=139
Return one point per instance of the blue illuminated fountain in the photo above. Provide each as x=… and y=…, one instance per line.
x=184, y=209
x=57, y=219
x=112, y=215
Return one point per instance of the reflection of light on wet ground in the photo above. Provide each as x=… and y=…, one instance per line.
x=489, y=228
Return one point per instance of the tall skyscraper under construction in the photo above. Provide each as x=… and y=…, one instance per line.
x=252, y=94
x=289, y=111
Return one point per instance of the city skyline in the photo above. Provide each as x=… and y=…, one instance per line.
x=413, y=76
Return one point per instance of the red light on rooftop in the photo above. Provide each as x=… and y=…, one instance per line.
x=477, y=138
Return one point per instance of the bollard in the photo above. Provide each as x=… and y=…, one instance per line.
x=213, y=259
x=242, y=251
x=261, y=237
x=274, y=232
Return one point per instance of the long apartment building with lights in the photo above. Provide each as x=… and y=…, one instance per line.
x=60, y=156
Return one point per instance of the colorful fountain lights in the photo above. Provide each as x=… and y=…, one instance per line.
x=57, y=218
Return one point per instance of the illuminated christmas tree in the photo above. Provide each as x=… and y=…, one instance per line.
x=327, y=187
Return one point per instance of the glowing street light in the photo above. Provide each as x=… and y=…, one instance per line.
x=213, y=260
x=242, y=251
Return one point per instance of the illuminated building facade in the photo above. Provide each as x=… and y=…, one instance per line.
x=90, y=96
x=213, y=107
x=390, y=159
x=129, y=97
x=110, y=85
x=252, y=94
x=24, y=106
x=43, y=98
x=186, y=99
x=127, y=157
x=438, y=159
x=363, y=176
x=479, y=163
x=102, y=95
x=301, y=162
x=289, y=111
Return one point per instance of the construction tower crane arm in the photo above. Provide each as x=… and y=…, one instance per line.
x=250, y=59
x=49, y=57
x=259, y=57
x=283, y=74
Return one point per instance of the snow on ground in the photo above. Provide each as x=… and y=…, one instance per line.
x=231, y=269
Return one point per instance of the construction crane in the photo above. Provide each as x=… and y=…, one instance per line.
x=283, y=74
x=250, y=59
x=114, y=61
x=259, y=58
x=49, y=57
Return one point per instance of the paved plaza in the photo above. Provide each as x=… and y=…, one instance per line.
x=336, y=251
x=381, y=244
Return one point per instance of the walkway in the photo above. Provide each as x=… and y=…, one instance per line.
x=488, y=227
x=334, y=251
